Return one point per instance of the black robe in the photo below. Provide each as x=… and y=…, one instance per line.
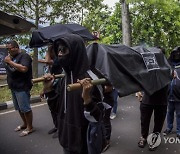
x=72, y=122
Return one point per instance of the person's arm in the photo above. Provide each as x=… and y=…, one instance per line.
x=48, y=58
x=49, y=62
x=93, y=109
x=18, y=67
x=42, y=60
x=48, y=89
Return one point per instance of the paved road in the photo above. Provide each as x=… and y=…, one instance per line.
x=125, y=133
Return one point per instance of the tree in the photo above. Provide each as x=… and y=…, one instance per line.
x=153, y=22
x=96, y=19
x=156, y=23
x=126, y=28
x=73, y=10
x=113, y=28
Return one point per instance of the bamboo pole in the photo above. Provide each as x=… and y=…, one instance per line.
x=3, y=46
x=75, y=86
x=176, y=67
x=42, y=78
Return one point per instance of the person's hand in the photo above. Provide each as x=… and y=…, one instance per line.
x=87, y=86
x=48, y=83
x=175, y=74
x=7, y=59
x=139, y=96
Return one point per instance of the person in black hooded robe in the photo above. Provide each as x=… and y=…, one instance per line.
x=53, y=68
x=73, y=125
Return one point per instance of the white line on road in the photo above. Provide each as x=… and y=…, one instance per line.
x=33, y=106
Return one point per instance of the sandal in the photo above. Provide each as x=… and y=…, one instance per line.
x=19, y=128
x=26, y=132
x=142, y=142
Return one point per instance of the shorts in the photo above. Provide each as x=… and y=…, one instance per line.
x=21, y=100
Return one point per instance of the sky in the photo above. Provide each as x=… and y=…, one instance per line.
x=110, y=3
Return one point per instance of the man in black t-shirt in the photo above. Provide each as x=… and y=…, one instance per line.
x=19, y=75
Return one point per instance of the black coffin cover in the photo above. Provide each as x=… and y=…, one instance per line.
x=126, y=68
x=44, y=36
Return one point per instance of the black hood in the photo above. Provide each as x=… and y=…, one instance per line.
x=175, y=55
x=78, y=60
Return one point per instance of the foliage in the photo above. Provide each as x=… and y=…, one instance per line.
x=156, y=23
x=37, y=89
x=153, y=22
x=72, y=10
x=97, y=19
x=36, y=10
x=101, y=19
x=5, y=94
x=113, y=29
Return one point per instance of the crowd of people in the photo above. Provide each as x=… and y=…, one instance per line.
x=82, y=117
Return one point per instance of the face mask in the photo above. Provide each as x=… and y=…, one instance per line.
x=63, y=56
x=176, y=57
x=62, y=50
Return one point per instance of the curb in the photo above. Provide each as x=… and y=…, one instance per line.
x=9, y=104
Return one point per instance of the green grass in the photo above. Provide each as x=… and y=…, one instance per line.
x=5, y=93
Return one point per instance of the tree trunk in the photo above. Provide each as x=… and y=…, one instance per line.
x=35, y=63
x=126, y=28
x=35, y=55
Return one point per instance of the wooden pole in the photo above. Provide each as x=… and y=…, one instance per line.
x=178, y=66
x=76, y=86
x=3, y=46
x=42, y=78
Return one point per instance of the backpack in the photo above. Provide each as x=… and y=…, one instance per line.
x=96, y=138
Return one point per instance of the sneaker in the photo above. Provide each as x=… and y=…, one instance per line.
x=52, y=131
x=166, y=132
x=112, y=116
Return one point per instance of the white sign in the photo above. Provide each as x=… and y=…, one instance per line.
x=150, y=61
